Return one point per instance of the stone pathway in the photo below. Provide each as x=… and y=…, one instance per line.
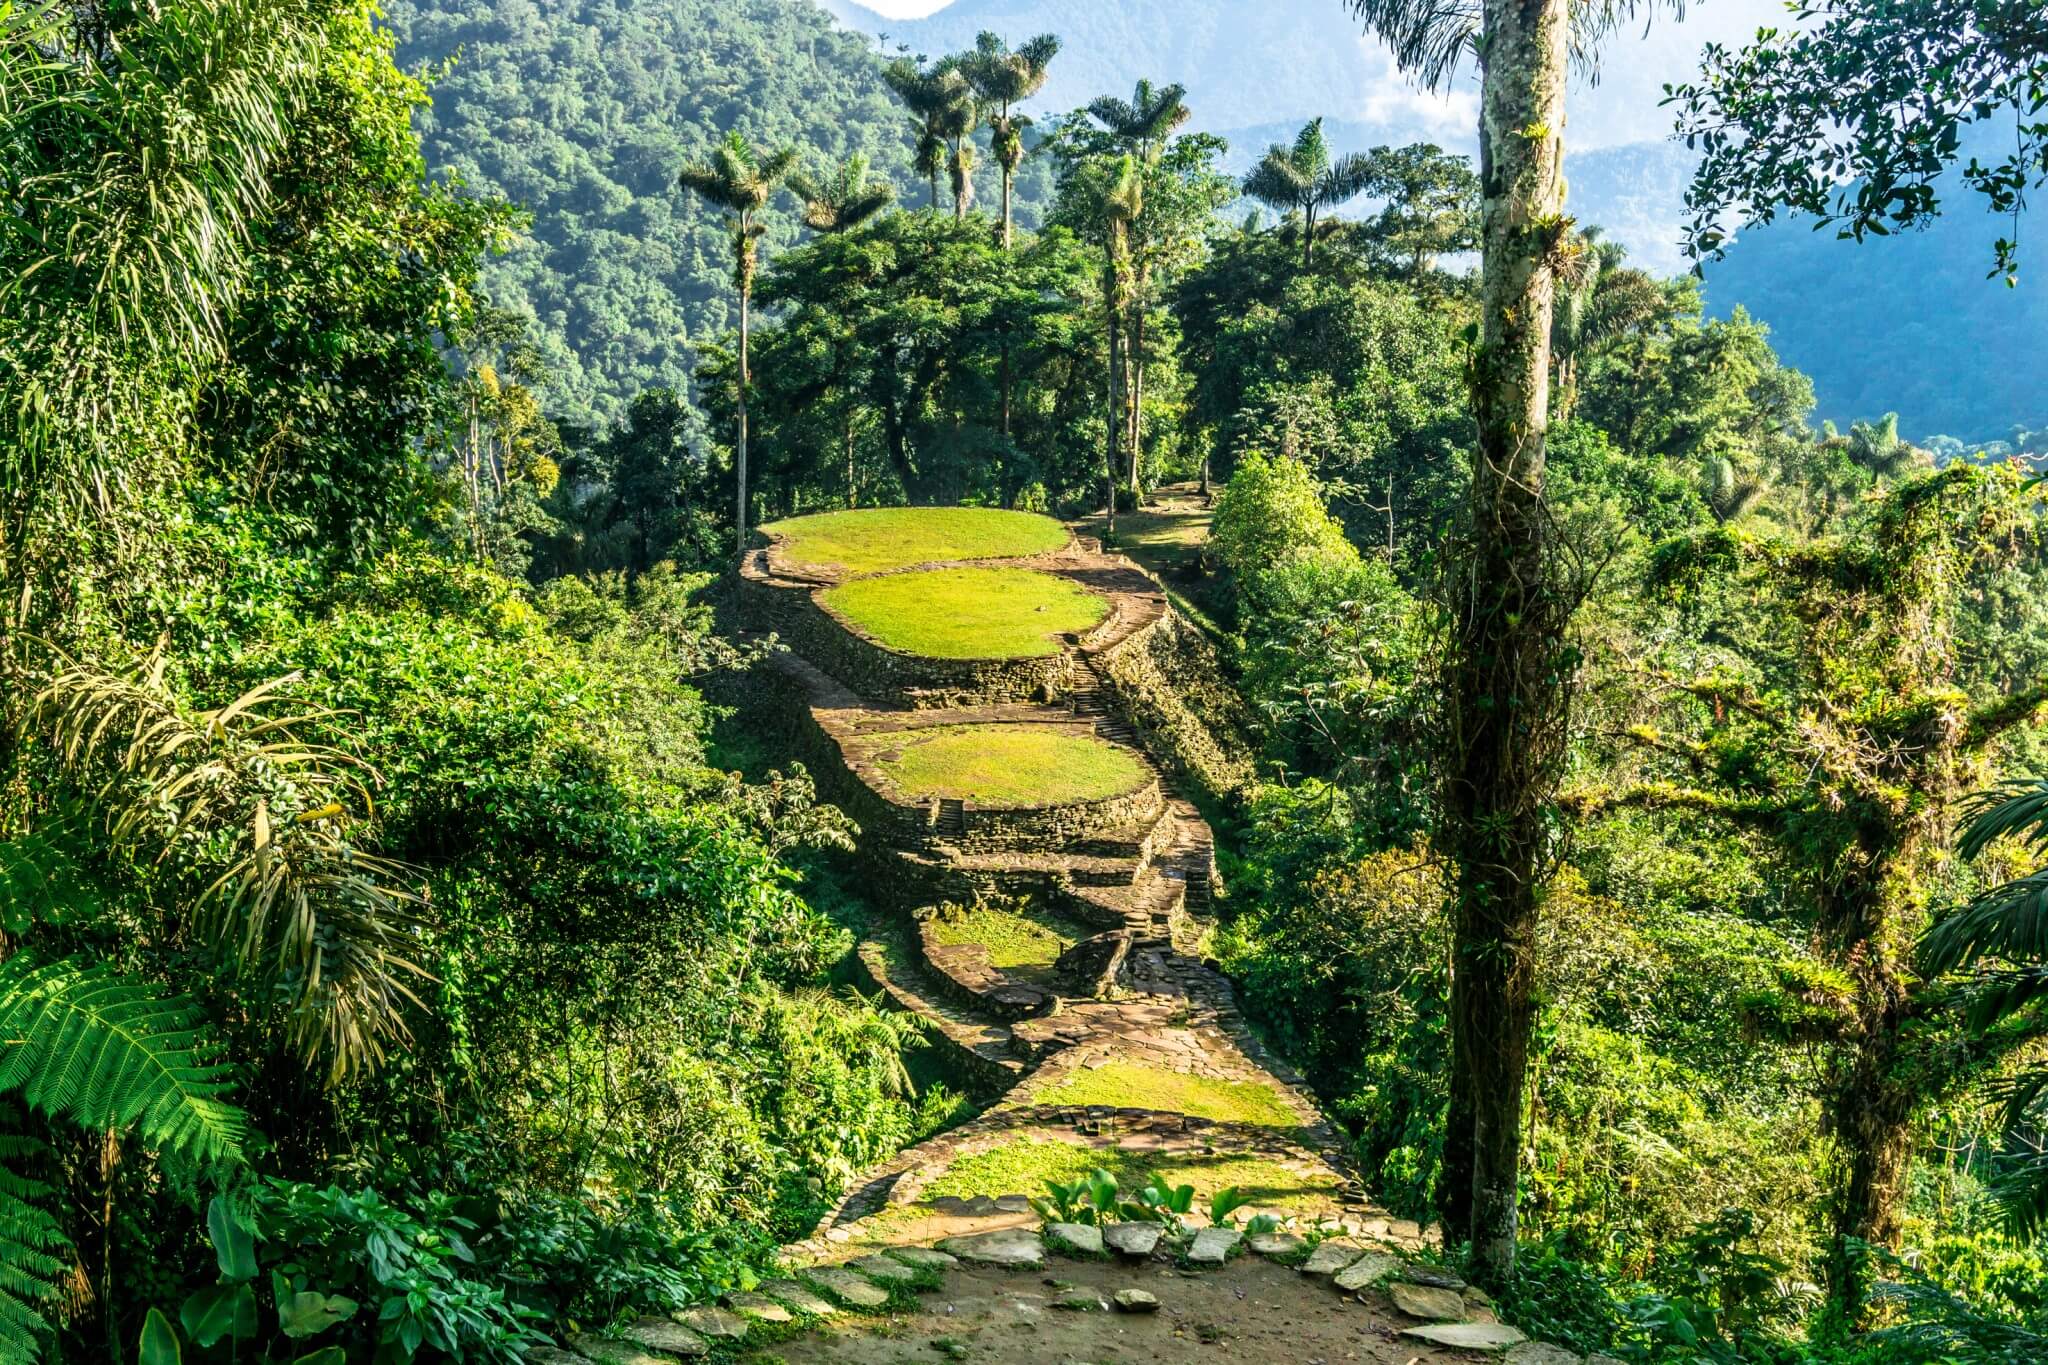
x=1131, y=1050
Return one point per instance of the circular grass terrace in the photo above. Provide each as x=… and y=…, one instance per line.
x=1006, y=765
x=875, y=539
x=967, y=613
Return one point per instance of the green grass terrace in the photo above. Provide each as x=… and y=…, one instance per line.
x=1006, y=765
x=876, y=539
x=967, y=613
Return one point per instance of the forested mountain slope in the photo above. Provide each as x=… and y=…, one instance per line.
x=583, y=111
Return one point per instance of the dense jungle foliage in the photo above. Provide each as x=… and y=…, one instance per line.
x=393, y=967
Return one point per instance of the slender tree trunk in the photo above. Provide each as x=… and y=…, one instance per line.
x=1506, y=670
x=1137, y=395
x=1114, y=427
x=1007, y=173
x=740, y=451
x=1308, y=237
x=852, y=492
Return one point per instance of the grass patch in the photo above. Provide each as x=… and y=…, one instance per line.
x=869, y=540
x=1025, y=1167
x=1026, y=938
x=968, y=613
x=1006, y=765
x=1129, y=1085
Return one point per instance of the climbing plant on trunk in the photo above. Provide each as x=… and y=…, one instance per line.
x=1508, y=665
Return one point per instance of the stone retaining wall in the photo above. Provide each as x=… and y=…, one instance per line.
x=1167, y=681
x=892, y=677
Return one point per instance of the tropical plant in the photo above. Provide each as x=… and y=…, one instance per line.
x=1090, y=1201
x=741, y=180
x=843, y=200
x=268, y=827
x=1304, y=179
x=1004, y=78
x=2001, y=938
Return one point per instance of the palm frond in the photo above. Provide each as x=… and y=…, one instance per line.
x=1429, y=38
x=233, y=796
x=2015, y=808
x=89, y=1045
x=2008, y=921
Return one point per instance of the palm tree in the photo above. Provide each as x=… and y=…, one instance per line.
x=1121, y=202
x=740, y=180
x=839, y=204
x=1142, y=124
x=843, y=200
x=1508, y=666
x=941, y=105
x=1304, y=178
x=1004, y=78
x=1598, y=299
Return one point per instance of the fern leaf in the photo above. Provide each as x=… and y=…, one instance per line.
x=30, y=1243
x=83, y=1042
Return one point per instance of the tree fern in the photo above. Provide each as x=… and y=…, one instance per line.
x=30, y=1240
x=87, y=1044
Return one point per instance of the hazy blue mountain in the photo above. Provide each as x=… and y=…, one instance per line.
x=1905, y=324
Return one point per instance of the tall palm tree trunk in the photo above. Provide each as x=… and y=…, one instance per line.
x=1006, y=215
x=746, y=378
x=1506, y=672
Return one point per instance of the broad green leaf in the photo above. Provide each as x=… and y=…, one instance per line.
x=159, y=1344
x=218, y=1311
x=309, y=1313
x=234, y=1246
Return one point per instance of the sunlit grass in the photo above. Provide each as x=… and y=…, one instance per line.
x=1128, y=1084
x=1014, y=939
x=1025, y=1167
x=871, y=539
x=1006, y=765
x=968, y=613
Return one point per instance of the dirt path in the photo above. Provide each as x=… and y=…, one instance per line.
x=1251, y=1312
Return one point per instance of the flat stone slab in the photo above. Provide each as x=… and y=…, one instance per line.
x=1132, y=1239
x=1019, y=1247
x=1365, y=1271
x=666, y=1338
x=1427, y=1302
x=1275, y=1243
x=796, y=1296
x=924, y=1258
x=551, y=1355
x=1136, y=1301
x=714, y=1322
x=757, y=1308
x=884, y=1270
x=1081, y=1301
x=1214, y=1245
x=1330, y=1257
x=1435, y=1276
x=848, y=1287
x=1075, y=1237
x=1528, y=1353
x=612, y=1351
x=1468, y=1336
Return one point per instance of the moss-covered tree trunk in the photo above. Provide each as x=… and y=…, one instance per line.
x=1506, y=661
